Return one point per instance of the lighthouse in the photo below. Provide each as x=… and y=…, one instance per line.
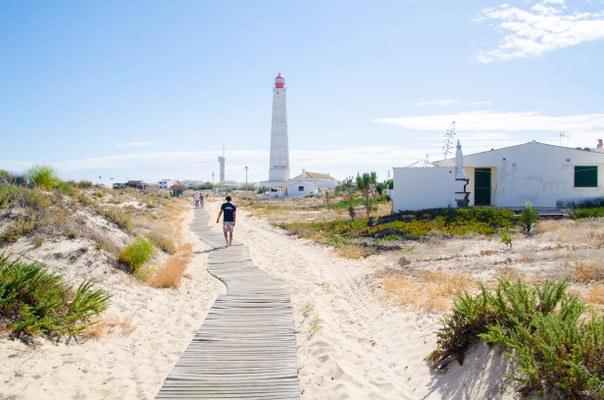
x=279, y=160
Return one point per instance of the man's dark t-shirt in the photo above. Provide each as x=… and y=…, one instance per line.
x=228, y=209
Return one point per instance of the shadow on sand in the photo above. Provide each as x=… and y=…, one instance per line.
x=480, y=377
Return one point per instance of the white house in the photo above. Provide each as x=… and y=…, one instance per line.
x=300, y=188
x=166, y=183
x=323, y=181
x=546, y=175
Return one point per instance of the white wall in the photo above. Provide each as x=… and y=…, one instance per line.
x=293, y=189
x=421, y=188
x=536, y=172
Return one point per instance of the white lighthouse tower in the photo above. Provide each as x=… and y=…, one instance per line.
x=279, y=161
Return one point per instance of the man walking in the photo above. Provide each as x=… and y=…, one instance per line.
x=228, y=222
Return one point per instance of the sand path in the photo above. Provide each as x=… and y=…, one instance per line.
x=350, y=345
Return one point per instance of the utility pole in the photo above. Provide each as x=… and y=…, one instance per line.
x=246, y=168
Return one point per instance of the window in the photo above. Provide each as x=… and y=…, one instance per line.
x=300, y=188
x=586, y=176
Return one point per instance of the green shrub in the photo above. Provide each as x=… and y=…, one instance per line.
x=528, y=218
x=84, y=184
x=542, y=329
x=588, y=213
x=98, y=194
x=65, y=188
x=138, y=253
x=34, y=300
x=8, y=193
x=43, y=176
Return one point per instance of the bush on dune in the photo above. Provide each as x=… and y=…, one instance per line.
x=34, y=300
x=43, y=176
x=138, y=253
x=545, y=333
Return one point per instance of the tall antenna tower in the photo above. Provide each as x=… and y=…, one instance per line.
x=221, y=160
x=449, y=139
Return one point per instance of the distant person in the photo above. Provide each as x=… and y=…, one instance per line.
x=196, y=197
x=201, y=203
x=228, y=222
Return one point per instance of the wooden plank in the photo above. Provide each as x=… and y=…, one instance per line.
x=245, y=348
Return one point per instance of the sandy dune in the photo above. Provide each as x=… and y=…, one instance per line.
x=352, y=344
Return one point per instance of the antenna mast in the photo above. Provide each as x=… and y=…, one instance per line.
x=449, y=139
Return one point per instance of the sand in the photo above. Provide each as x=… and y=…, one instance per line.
x=353, y=343
x=128, y=364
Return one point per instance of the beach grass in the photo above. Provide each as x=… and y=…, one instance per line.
x=35, y=301
x=547, y=332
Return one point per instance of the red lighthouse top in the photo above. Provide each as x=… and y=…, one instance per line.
x=279, y=82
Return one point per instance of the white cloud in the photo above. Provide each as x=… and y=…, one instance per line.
x=500, y=121
x=199, y=165
x=542, y=28
x=451, y=102
x=133, y=144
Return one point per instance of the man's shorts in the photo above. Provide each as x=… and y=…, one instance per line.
x=228, y=226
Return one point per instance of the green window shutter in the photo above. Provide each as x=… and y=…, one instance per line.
x=586, y=176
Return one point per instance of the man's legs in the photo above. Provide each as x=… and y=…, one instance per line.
x=231, y=237
x=226, y=238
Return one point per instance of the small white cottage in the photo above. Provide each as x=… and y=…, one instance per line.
x=323, y=181
x=546, y=175
x=300, y=188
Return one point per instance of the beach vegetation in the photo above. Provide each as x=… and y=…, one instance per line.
x=544, y=329
x=528, y=218
x=170, y=274
x=43, y=176
x=408, y=226
x=36, y=301
x=595, y=212
x=160, y=236
x=136, y=254
x=585, y=272
x=314, y=324
x=17, y=228
x=9, y=192
x=117, y=215
x=506, y=238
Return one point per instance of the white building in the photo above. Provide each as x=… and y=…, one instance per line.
x=166, y=183
x=300, y=188
x=323, y=181
x=546, y=175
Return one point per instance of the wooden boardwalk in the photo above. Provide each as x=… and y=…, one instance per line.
x=245, y=349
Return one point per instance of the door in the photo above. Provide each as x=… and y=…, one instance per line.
x=482, y=186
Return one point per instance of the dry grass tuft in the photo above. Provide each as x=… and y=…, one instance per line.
x=170, y=274
x=160, y=237
x=432, y=291
x=186, y=249
x=587, y=272
x=108, y=324
x=351, y=251
x=596, y=295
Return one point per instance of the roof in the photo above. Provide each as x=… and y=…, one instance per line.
x=315, y=175
x=451, y=161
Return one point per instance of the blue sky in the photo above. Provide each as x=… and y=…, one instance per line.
x=154, y=89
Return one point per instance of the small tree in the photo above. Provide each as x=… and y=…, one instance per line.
x=528, y=218
x=327, y=198
x=364, y=185
x=350, y=206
